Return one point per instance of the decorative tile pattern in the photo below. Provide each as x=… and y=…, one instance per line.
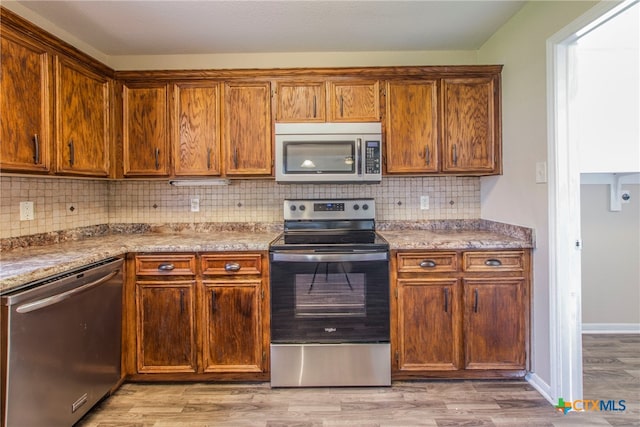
x=98, y=202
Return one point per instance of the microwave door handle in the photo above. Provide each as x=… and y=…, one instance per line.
x=359, y=155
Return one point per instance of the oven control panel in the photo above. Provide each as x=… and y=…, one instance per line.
x=340, y=209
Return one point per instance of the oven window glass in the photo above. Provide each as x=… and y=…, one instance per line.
x=304, y=157
x=329, y=302
x=330, y=294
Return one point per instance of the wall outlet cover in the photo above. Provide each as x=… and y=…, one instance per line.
x=26, y=211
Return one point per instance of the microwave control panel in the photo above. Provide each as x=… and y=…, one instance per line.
x=372, y=157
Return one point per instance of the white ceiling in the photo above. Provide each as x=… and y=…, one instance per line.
x=237, y=26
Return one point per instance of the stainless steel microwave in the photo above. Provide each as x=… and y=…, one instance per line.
x=328, y=152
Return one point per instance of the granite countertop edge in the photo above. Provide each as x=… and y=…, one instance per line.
x=37, y=257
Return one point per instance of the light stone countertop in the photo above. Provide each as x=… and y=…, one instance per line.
x=24, y=265
x=451, y=240
x=37, y=261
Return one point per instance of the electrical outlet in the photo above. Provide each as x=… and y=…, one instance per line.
x=195, y=205
x=26, y=211
x=424, y=202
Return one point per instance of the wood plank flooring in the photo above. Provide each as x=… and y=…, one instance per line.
x=611, y=371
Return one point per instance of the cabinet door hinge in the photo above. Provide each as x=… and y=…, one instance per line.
x=397, y=356
x=264, y=356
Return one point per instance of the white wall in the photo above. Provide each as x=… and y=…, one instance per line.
x=610, y=259
x=607, y=93
x=515, y=197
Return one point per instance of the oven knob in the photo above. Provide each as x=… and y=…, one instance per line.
x=292, y=208
x=356, y=207
x=302, y=207
x=365, y=207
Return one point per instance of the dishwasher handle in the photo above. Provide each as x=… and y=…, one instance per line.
x=45, y=302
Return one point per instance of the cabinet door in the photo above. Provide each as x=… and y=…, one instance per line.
x=232, y=339
x=351, y=101
x=165, y=326
x=247, y=128
x=411, y=127
x=145, y=132
x=428, y=325
x=494, y=323
x=300, y=102
x=470, y=131
x=82, y=120
x=197, y=130
x=25, y=104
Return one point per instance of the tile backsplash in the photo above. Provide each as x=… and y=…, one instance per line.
x=67, y=203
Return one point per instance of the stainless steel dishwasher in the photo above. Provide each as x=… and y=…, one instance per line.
x=61, y=341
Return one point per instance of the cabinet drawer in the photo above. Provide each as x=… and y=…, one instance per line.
x=427, y=262
x=226, y=264
x=165, y=265
x=493, y=261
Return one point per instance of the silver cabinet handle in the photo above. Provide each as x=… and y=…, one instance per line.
x=213, y=301
x=232, y=266
x=235, y=157
x=455, y=155
x=157, y=154
x=427, y=157
x=341, y=106
x=36, y=149
x=428, y=263
x=72, y=153
x=208, y=158
x=493, y=262
x=45, y=302
x=166, y=266
x=181, y=301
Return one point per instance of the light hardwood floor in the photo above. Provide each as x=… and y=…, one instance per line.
x=611, y=371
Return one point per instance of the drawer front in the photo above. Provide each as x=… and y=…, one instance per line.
x=493, y=261
x=427, y=262
x=165, y=265
x=231, y=264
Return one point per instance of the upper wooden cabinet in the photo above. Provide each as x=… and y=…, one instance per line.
x=25, y=102
x=354, y=101
x=82, y=120
x=145, y=129
x=301, y=101
x=345, y=101
x=411, y=125
x=471, y=125
x=246, y=128
x=196, y=134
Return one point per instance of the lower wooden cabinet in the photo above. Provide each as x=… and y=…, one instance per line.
x=165, y=327
x=196, y=317
x=460, y=314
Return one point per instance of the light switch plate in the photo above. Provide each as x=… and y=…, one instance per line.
x=541, y=172
x=195, y=205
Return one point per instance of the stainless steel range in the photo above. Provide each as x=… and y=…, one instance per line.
x=330, y=296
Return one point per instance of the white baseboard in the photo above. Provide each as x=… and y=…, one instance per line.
x=543, y=388
x=611, y=328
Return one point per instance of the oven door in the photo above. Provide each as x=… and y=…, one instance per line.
x=329, y=297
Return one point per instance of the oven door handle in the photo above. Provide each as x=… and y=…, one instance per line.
x=332, y=257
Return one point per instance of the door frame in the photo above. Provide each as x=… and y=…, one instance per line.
x=565, y=244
